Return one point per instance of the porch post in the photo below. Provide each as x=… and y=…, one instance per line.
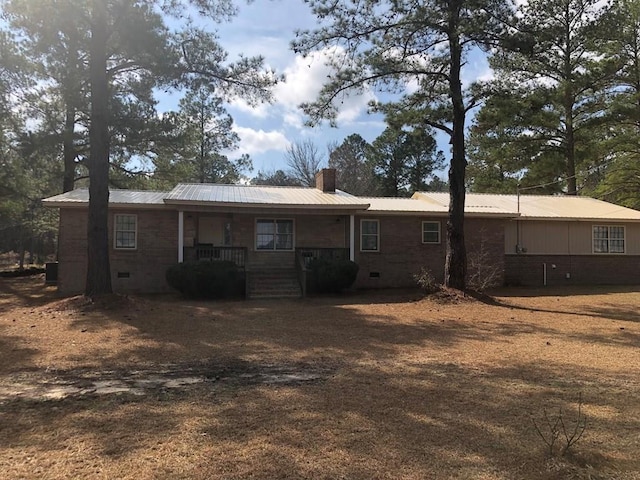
x=180, y=236
x=352, y=238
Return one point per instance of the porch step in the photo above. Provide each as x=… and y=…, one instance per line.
x=274, y=283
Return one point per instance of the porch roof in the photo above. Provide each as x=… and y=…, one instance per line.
x=262, y=196
x=541, y=207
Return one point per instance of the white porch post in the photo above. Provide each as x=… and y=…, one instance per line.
x=352, y=238
x=180, y=236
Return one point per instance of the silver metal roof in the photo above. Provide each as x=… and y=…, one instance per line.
x=543, y=207
x=260, y=195
x=80, y=197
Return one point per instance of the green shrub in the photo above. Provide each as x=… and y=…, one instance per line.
x=332, y=276
x=207, y=280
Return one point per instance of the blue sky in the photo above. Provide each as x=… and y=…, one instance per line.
x=266, y=28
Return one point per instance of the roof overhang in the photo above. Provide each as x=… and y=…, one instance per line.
x=269, y=206
x=580, y=219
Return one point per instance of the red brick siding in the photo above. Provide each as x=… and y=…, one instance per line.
x=528, y=270
x=402, y=252
x=157, y=249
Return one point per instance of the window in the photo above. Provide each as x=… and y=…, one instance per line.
x=369, y=235
x=125, y=232
x=608, y=239
x=430, y=232
x=274, y=234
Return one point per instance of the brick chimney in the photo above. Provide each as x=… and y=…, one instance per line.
x=326, y=180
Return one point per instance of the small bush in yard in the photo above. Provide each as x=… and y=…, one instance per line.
x=426, y=281
x=332, y=276
x=206, y=279
x=558, y=433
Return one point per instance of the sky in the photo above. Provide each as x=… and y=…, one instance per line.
x=266, y=28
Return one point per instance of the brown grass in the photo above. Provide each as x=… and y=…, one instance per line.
x=415, y=389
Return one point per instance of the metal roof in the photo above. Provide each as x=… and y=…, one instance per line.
x=531, y=207
x=80, y=197
x=260, y=195
x=399, y=205
x=427, y=206
x=543, y=207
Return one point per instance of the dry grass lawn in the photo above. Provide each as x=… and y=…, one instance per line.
x=413, y=389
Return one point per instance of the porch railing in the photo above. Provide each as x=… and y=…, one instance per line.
x=308, y=254
x=304, y=257
x=237, y=255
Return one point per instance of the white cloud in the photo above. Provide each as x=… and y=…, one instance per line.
x=258, y=111
x=304, y=78
x=258, y=141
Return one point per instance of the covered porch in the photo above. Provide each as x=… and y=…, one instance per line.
x=274, y=249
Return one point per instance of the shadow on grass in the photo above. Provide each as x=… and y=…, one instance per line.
x=382, y=413
x=438, y=421
x=25, y=291
x=563, y=291
x=611, y=311
x=13, y=352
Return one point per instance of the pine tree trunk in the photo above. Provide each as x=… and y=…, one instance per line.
x=455, y=270
x=69, y=153
x=98, y=271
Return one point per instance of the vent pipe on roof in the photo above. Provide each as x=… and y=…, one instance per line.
x=326, y=180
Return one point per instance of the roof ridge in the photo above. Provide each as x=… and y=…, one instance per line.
x=242, y=185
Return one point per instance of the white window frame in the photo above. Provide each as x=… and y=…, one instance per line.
x=608, y=239
x=439, y=232
x=115, y=231
x=377, y=235
x=274, y=249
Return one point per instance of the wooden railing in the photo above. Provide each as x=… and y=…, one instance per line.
x=308, y=254
x=237, y=255
x=304, y=257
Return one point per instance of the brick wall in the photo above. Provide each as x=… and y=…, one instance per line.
x=572, y=269
x=402, y=252
x=139, y=270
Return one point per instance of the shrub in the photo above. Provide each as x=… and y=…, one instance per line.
x=206, y=279
x=332, y=276
x=426, y=281
x=483, y=272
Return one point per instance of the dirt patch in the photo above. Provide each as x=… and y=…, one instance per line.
x=111, y=302
x=373, y=385
x=57, y=385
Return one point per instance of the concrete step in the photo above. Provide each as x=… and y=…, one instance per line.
x=274, y=283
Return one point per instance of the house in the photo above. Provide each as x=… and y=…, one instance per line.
x=272, y=231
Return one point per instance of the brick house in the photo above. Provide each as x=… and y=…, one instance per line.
x=271, y=232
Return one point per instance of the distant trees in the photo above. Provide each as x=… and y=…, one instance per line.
x=275, y=178
x=196, y=144
x=304, y=160
x=405, y=161
x=355, y=167
x=399, y=162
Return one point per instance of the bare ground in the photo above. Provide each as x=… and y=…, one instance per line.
x=369, y=386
